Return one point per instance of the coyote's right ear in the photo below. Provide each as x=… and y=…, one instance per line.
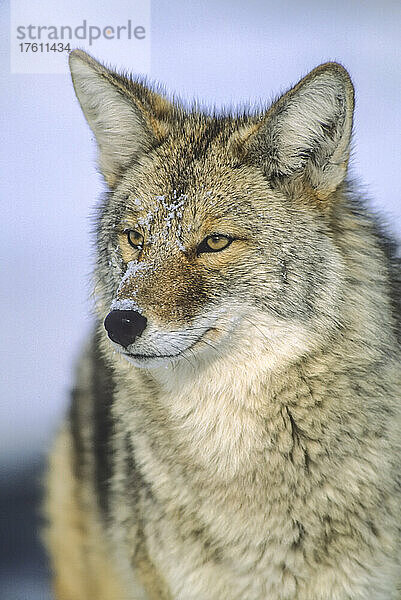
x=127, y=118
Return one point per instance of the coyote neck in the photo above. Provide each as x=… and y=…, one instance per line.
x=225, y=427
x=240, y=423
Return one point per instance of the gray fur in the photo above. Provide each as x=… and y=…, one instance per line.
x=262, y=462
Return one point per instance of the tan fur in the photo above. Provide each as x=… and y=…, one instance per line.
x=80, y=559
x=244, y=442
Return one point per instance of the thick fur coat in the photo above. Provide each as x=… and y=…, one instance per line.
x=234, y=431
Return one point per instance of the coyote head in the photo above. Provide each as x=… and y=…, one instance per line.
x=215, y=237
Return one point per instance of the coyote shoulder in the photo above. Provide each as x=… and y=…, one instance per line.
x=234, y=430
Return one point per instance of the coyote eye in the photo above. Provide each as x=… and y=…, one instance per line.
x=135, y=239
x=214, y=243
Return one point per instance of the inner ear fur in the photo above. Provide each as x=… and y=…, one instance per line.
x=305, y=135
x=127, y=117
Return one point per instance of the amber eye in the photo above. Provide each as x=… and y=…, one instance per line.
x=135, y=239
x=214, y=243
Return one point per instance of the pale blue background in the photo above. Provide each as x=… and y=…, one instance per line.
x=221, y=52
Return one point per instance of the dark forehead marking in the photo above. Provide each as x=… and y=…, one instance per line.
x=199, y=143
x=193, y=146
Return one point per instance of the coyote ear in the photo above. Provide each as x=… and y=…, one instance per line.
x=306, y=132
x=127, y=118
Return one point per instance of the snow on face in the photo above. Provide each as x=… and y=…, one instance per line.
x=173, y=212
x=134, y=270
x=166, y=214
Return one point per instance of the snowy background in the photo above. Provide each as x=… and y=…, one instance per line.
x=225, y=52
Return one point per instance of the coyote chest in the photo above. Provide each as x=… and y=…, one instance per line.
x=220, y=508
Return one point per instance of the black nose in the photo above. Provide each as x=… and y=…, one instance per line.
x=124, y=326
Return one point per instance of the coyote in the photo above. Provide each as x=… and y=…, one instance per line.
x=234, y=430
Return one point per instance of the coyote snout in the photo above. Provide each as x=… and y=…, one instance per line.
x=124, y=326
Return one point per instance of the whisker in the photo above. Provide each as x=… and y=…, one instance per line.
x=258, y=328
x=180, y=352
x=185, y=330
x=209, y=344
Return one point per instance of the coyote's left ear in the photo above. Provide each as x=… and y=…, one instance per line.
x=127, y=118
x=306, y=133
